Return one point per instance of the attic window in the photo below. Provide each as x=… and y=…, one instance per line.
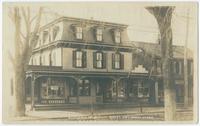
x=79, y=32
x=117, y=36
x=99, y=34
x=55, y=32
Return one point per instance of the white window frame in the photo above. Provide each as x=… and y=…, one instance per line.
x=117, y=61
x=79, y=32
x=79, y=56
x=99, y=59
x=117, y=37
x=99, y=34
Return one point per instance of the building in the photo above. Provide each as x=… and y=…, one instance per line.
x=82, y=62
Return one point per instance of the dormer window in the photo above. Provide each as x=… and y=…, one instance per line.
x=79, y=32
x=99, y=34
x=45, y=36
x=117, y=36
x=55, y=32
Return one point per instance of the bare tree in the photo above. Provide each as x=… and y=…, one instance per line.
x=24, y=44
x=163, y=15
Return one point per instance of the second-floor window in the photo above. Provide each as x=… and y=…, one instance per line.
x=117, y=61
x=99, y=34
x=117, y=36
x=99, y=60
x=79, y=32
x=79, y=58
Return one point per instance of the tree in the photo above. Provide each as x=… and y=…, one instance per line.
x=24, y=45
x=163, y=15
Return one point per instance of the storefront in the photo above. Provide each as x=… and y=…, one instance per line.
x=92, y=90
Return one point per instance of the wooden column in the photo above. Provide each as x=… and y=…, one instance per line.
x=156, y=92
x=32, y=92
x=78, y=92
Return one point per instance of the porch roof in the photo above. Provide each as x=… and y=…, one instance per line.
x=59, y=72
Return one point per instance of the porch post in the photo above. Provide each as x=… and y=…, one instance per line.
x=117, y=83
x=78, y=92
x=156, y=92
x=32, y=92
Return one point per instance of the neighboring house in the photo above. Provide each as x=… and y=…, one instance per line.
x=82, y=62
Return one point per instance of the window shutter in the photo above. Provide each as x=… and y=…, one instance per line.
x=84, y=59
x=94, y=59
x=121, y=61
x=113, y=61
x=104, y=60
x=74, y=58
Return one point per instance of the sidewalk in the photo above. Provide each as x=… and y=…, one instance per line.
x=148, y=113
x=87, y=112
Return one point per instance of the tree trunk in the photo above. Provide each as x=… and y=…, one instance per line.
x=163, y=16
x=20, y=90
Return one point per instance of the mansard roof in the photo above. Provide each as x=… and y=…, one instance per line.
x=82, y=20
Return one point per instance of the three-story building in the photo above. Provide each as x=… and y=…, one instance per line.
x=81, y=61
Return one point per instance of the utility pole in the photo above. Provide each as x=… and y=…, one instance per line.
x=185, y=63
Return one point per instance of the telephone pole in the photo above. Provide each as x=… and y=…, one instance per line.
x=185, y=63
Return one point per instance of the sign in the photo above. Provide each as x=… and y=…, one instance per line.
x=139, y=69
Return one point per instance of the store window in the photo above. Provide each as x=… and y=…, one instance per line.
x=99, y=90
x=143, y=91
x=84, y=88
x=121, y=90
x=52, y=89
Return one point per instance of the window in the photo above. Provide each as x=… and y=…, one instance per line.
x=142, y=90
x=50, y=62
x=117, y=36
x=117, y=61
x=178, y=67
x=79, y=33
x=55, y=32
x=45, y=36
x=79, y=58
x=99, y=58
x=40, y=60
x=73, y=89
x=99, y=34
x=43, y=60
x=84, y=88
x=190, y=67
x=99, y=90
x=52, y=89
x=52, y=58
